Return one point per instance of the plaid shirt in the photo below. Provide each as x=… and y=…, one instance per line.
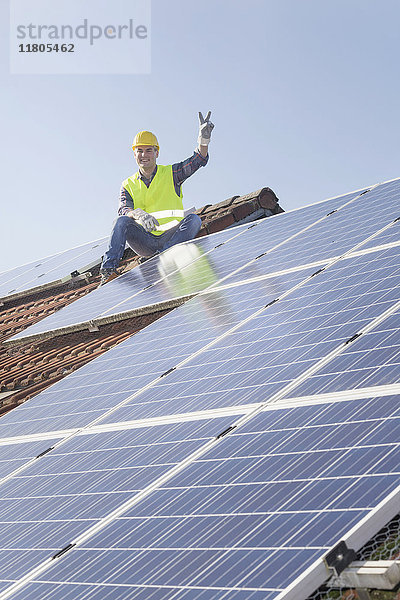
x=180, y=172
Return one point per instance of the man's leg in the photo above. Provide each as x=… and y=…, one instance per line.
x=187, y=229
x=144, y=243
x=141, y=241
x=116, y=244
x=128, y=230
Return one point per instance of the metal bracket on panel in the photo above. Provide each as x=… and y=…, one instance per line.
x=225, y=432
x=260, y=255
x=272, y=302
x=93, y=327
x=368, y=574
x=339, y=558
x=354, y=337
x=317, y=272
x=331, y=213
x=147, y=287
x=365, y=192
x=168, y=372
x=254, y=225
x=398, y=219
x=77, y=276
x=219, y=245
x=62, y=551
x=45, y=452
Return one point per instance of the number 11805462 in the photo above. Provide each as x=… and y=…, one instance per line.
x=46, y=48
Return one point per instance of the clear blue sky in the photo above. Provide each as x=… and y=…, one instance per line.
x=304, y=96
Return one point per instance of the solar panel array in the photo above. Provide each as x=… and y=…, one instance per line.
x=52, y=268
x=223, y=451
x=201, y=263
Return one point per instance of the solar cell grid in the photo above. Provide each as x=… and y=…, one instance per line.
x=179, y=570
x=13, y=456
x=51, y=268
x=336, y=234
x=389, y=236
x=84, y=479
x=15, y=563
x=373, y=360
x=85, y=395
x=201, y=271
x=196, y=271
x=280, y=344
x=110, y=592
x=232, y=520
x=266, y=501
x=105, y=388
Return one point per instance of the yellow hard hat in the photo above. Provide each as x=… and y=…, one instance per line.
x=145, y=138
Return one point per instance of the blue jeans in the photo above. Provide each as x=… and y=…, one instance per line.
x=144, y=243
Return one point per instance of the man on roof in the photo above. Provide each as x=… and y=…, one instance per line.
x=151, y=216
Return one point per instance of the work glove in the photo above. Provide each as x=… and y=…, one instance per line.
x=205, y=129
x=148, y=222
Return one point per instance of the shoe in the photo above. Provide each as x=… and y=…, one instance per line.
x=108, y=275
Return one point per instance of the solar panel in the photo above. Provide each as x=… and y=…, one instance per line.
x=52, y=268
x=144, y=276
x=316, y=319
x=251, y=514
x=389, y=236
x=226, y=449
x=334, y=235
x=279, y=344
x=373, y=360
x=16, y=455
x=191, y=267
x=83, y=480
x=316, y=481
x=101, y=385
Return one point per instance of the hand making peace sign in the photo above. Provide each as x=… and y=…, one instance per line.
x=205, y=129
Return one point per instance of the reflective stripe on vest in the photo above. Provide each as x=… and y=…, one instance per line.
x=163, y=214
x=167, y=226
x=159, y=199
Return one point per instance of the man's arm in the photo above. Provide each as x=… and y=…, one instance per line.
x=181, y=171
x=203, y=150
x=126, y=205
x=205, y=129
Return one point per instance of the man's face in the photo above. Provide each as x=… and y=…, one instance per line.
x=146, y=157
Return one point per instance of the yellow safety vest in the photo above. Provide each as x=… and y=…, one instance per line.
x=159, y=199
